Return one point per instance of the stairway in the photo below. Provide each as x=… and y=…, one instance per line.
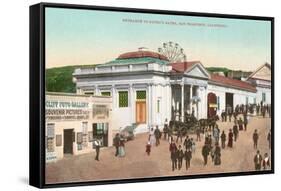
x=141, y=128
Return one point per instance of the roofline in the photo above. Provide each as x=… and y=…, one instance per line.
x=253, y=73
x=74, y=95
x=259, y=79
x=234, y=87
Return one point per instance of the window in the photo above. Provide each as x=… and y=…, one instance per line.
x=263, y=97
x=123, y=99
x=100, y=132
x=85, y=133
x=158, y=106
x=89, y=93
x=141, y=95
x=100, y=110
x=106, y=93
x=50, y=137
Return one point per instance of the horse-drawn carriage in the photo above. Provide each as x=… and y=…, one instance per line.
x=192, y=125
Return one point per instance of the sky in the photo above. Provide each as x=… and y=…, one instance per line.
x=83, y=37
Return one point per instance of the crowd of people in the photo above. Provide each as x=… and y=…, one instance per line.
x=215, y=140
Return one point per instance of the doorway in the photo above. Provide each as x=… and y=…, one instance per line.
x=228, y=102
x=67, y=141
x=212, y=105
x=140, y=112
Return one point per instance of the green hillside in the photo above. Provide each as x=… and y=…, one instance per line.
x=60, y=79
x=218, y=69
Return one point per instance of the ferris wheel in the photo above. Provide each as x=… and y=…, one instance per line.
x=173, y=52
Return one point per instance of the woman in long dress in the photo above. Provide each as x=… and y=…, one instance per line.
x=230, y=139
x=122, y=148
x=152, y=137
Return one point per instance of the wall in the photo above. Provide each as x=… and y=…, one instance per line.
x=239, y=96
x=76, y=124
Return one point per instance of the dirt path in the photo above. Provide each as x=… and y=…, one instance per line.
x=137, y=164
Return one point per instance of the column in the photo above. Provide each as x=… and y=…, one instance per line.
x=152, y=105
x=190, y=99
x=113, y=97
x=148, y=98
x=197, y=105
x=132, y=104
x=182, y=102
x=96, y=91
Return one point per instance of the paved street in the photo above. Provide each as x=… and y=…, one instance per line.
x=137, y=164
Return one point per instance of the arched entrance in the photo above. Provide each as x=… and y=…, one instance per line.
x=212, y=105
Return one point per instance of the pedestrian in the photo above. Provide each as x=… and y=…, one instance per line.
x=152, y=137
x=217, y=155
x=229, y=115
x=165, y=129
x=258, y=109
x=122, y=147
x=116, y=143
x=212, y=151
x=263, y=111
x=255, y=138
x=187, y=143
x=269, y=111
x=266, y=162
x=230, y=139
x=157, y=135
x=222, y=116
x=180, y=156
x=216, y=133
x=269, y=139
x=240, y=124
x=205, y=153
x=170, y=132
x=173, y=150
x=97, y=145
x=193, y=145
x=187, y=157
x=148, y=148
x=235, y=131
x=258, y=160
x=245, y=121
x=179, y=134
x=198, y=132
x=223, y=139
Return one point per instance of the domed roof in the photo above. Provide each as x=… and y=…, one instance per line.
x=142, y=54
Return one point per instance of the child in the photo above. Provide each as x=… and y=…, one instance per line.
x=148, y=148
x=265, y=162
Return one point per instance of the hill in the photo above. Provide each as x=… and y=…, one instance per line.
x=60, y=79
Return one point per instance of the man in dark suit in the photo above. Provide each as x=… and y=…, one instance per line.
x=205, y=153
x=116, y=143
x=187, y=157
x=258, y=160
x=173, y=149
x=97, y=144
x=180, y=157
x=223, y=139
x=157, y=135
x=255, y=138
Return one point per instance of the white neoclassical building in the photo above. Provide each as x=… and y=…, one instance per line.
x=146, y=89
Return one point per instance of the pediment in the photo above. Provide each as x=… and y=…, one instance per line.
x=264, y=73
x=197, y=71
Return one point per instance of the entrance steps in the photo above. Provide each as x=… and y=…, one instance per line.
x=141, y=128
